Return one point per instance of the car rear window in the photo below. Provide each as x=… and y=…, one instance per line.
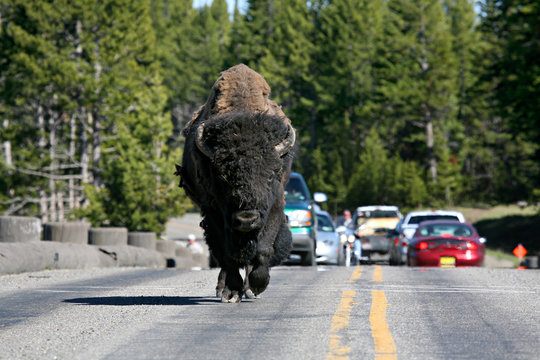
x=378, y=214
x=440, y=229
x=419, y=219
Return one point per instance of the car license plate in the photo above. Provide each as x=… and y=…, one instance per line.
x=448, y=261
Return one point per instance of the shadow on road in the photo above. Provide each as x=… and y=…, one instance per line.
x=143, y=300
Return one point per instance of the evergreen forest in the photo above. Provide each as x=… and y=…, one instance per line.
x=415, y=103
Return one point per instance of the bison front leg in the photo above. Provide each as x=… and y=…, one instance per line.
x=229, y=286
x=221, y=283
x=247, y=290
x=257, y=280
x=258, y=274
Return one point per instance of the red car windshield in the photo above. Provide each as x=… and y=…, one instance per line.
x=456, y=229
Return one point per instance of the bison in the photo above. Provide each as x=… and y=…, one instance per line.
x=237, y=157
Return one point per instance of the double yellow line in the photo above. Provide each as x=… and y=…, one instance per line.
x=385, y=348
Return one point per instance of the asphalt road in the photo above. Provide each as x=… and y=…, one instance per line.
x=365, y=312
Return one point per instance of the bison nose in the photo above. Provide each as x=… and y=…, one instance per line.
x=246, y=220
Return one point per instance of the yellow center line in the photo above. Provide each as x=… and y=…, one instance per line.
x=356, y=275
x=385, y=347
x=377, y=274
x=340, y=322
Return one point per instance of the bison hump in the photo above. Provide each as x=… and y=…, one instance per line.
x=240, y=88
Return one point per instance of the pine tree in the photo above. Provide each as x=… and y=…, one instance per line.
x=350, y=32
x=174, y=23
x=252, y=32
x=136, y=184
x=467, y=134
x=82, y=82
x=518, y=94
x=212, y=37
x=367, y=184
x=42, y=90
x=417, y=70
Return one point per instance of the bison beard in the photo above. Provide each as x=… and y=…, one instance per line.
x=235, y=167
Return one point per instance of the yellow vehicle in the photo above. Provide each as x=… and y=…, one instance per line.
x=371, y=224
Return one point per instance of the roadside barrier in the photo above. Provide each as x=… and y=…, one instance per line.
x=182, y=251
x=145, y=240
x=19, y=229
x=108, y=236
x=66, y=232
x=166, y=247
x=76, y=245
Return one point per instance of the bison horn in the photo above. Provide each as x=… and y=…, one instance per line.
x=205, y=149
x=283, y=147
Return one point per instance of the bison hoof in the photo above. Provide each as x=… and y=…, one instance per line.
x=235, y=298
x=219, y=293
x=228, y=296
x=250, y=295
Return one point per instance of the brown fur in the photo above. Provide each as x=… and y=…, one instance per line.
x=238, y=88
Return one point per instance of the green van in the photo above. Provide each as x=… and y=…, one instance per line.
x=300, y=209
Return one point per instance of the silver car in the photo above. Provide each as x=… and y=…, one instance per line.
x=328, y=244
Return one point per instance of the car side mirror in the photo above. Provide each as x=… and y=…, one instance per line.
x=320, y=197
x=482, y=240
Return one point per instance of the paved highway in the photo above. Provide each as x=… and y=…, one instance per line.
x=365, y=312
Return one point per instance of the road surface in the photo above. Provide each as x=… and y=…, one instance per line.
x=325, y=312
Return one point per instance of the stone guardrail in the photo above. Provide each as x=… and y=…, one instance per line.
x=76, y=245
x=19, y=229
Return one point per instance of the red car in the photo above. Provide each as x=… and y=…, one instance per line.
x=446, y=243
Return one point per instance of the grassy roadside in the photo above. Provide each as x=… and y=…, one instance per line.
x=503, y=257
x=505, y=227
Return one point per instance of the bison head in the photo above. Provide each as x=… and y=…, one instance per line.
x=250, y=155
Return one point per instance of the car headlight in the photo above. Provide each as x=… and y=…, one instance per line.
x=298, y=218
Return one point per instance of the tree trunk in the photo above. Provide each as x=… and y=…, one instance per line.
x=43, y=198
x=84, y=147
x=43, y=206
x=96, y=150
x=424, y=65
x=53, y=167
x=7, y=146
x=60, y=204
x=430, y=143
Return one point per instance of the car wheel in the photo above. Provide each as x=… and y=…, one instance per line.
x=308, y=258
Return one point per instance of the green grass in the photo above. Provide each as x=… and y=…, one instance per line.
x=499, y=255
x=505, y=227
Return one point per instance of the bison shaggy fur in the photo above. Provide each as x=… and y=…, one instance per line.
x=237, y=158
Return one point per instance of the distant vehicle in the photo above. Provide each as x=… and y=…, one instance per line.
x=328, y=244
x=372, y=224
x=351, y=248
x=399, y=237
x=300, y=209
x=446, y=243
